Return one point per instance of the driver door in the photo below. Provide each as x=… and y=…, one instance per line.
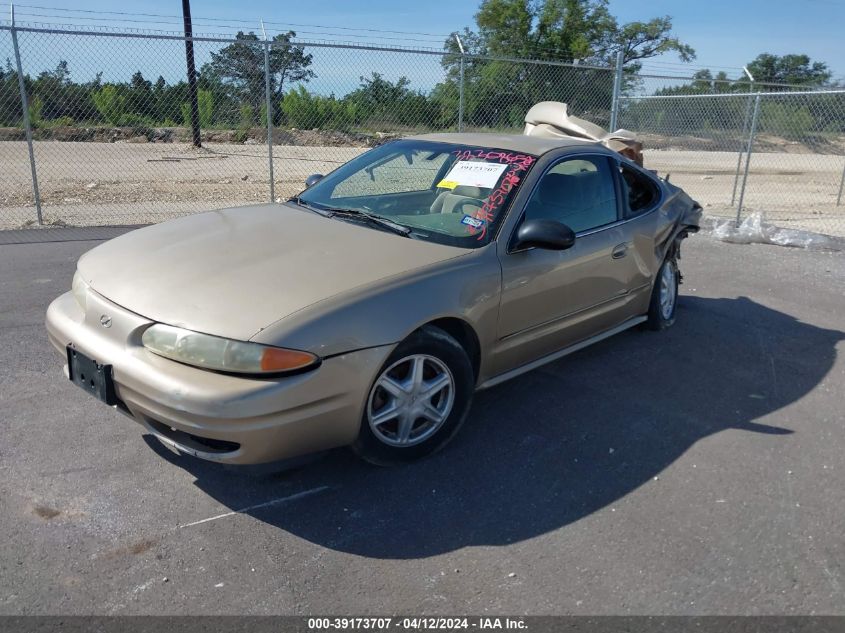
x=553, y=299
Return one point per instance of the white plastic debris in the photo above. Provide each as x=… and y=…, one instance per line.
x=755, y=230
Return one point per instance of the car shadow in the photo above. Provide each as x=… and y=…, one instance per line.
x=555, y=445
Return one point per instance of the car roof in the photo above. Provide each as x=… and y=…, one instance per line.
x=515, y=142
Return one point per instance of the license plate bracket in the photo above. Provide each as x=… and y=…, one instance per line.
x=91, y=376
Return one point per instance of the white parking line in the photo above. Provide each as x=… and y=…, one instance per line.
x=293, y=497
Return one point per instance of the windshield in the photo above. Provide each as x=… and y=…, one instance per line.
x=446, y=193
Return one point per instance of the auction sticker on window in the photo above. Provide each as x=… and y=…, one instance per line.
x=468, y=173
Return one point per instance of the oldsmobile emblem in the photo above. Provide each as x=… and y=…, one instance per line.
x=105, y=320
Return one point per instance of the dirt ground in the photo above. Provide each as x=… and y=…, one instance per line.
x=134, y=183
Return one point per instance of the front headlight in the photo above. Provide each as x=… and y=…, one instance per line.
x=80, y=290
x=222, y=354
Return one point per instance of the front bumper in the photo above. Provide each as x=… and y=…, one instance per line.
x=216, y=416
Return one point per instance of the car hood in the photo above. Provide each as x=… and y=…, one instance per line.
x=234, y=272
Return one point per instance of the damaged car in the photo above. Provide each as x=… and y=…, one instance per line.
x=368, y=309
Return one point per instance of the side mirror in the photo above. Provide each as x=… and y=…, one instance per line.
x=313, y=179
x=546, y=234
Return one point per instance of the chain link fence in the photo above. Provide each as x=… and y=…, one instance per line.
x=780, y=154
x=109, y=118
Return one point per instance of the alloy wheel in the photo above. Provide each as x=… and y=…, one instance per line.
x=668, y=290
x=411, y=400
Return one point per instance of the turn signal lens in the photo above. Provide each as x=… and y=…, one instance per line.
x=222, y=354
x=278, y=359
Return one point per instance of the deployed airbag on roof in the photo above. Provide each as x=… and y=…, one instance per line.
x=551, y=119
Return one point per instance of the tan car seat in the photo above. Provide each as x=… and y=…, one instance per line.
x=461, y=199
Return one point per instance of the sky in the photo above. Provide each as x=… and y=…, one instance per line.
x=726, y=34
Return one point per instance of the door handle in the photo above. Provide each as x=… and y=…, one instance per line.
x=620, y=250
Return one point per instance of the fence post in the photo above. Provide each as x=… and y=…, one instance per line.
x=617, y=91
x=26, y=122
x=269, y=108
x=748, y=109
x=461, y=87
x=754, y=118
x=841, y=186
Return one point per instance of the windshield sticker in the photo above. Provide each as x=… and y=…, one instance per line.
x=473, y=174
x=473, y=222
x=516, y=166
x=522, y=160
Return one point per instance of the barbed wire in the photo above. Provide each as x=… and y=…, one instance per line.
x=233, y=23
x=219, y=37
x=197, y=23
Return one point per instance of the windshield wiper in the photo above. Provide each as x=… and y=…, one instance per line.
x=372, y=218
x=330, y=212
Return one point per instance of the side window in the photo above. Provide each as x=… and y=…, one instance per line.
x=578, y=192
x=401, y=173
x=639, y=191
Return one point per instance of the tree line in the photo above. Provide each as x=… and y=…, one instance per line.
x=497, y=89
x=794, y=118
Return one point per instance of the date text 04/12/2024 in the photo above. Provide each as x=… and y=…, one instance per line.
x=416, y=623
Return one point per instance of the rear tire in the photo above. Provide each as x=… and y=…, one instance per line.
x=664, y=297
x=418, y=401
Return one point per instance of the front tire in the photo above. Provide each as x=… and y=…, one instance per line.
x=418, y=401
x=664, y=297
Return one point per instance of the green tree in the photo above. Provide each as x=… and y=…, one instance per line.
x=789, y=120
x=61, y=98
x=36, y=110
x=205, y=105
x=566, y=30
x=140, y=98
x=240, y=68
x=789, y=69
x=498, y=93
x=308, y=111
x=110, y=103
x=11, y=112
x=386, y=102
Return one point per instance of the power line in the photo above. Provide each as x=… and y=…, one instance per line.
x=68, y=21
x=178, y=19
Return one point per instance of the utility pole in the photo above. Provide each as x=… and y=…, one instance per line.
x=192, y=74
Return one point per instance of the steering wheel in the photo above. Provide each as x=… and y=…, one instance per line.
x=459, y=206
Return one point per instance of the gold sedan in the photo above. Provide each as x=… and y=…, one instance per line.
x=367, y=310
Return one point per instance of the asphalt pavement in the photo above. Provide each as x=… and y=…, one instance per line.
x=699, y=470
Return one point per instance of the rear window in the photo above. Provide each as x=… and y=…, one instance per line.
x=639, y=191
